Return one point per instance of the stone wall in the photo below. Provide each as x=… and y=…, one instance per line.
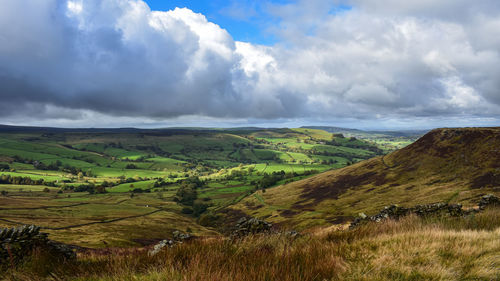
x=18, y=243
x=454, y=210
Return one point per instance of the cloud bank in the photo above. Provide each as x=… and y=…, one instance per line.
x=393, y=60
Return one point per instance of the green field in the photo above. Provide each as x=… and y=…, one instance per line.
x=101, y=188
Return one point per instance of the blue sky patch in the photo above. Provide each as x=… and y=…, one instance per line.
x=246, y=21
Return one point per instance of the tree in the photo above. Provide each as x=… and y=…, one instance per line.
x=186, y=194
x=100, y=189
x=187, y=210
x=199, y=208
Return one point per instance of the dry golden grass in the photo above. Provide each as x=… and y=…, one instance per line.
x=409, y=249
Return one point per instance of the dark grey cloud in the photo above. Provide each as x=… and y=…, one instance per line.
x=381, y=60
x=119, y=58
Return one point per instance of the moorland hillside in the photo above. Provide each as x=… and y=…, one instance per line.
x=445, y=165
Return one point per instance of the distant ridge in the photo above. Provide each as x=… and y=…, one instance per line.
x=34, y=129
x=177, y=130
x=395, y=133
x=333, y=129
x=9, y=128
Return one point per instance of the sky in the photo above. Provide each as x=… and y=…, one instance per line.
x=245, y=20
x=386, y=64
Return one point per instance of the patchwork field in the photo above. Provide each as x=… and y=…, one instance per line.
x=125, y=187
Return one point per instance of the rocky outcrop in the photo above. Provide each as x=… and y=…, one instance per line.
x=167, y=243
x=488, y=200
x=18, y=243
x=178, y=237
x=396, y=212
x=246, y=226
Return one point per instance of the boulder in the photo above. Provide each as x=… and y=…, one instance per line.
x=178, y=238
x=246, y=226
x=160, y=246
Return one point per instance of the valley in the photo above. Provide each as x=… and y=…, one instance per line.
x=108, y=199
x=128, y=187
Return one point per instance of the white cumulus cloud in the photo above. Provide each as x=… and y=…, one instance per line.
x=388, y=59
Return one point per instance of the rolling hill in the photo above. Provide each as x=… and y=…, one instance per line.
x=127, y=187
x=450, y=165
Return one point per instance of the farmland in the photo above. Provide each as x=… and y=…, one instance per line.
x=124, y=187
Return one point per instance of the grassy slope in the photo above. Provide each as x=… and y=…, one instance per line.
x=453, y=165
x=140, y=223
x=411, y=249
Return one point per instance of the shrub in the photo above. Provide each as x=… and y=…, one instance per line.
x=199, y=208
x=131, y=166
x=208, y=219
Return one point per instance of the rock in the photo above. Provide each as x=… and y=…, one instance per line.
x=247, y=226
x=488, y=200
x=357, y=221
x=179, y=236
x=455, y=210
x=162, y=244
x=62, y=249
x=392, y=211
x=292, y=234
